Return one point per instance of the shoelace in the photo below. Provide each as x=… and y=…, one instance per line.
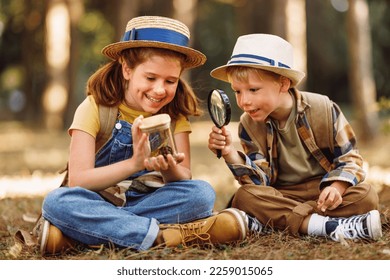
x=255, y=225
x=192, y=234
x=350, y=228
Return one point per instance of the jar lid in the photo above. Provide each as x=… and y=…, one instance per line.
x=156, y=122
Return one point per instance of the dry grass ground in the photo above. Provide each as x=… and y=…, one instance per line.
x=275, y=246
x=27, y=172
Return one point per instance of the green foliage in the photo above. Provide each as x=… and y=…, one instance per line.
x=95, y=33
x=384, y=105
x=215, y=17
x=380, y=26
x=217, y=25
x=22, y=65
x=384, y=112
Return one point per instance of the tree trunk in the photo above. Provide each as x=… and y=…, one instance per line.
x=185, y=11
x=55, y=96
x=31, y=60
x=76, y=11
x=296, y=34
x=278, y=17
x=125, y=10
x=361, y=72
x=288, y=20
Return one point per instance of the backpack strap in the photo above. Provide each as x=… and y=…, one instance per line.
x=320, y=119
x=107, y=118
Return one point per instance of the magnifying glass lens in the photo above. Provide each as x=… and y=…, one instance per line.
x=219, y=109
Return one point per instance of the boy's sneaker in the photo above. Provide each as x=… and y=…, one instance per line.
x=50, y=239
x=366, y=226
x=254, y=226
x=225, y=227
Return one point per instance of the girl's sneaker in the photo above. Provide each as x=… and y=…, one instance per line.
x=51, y=240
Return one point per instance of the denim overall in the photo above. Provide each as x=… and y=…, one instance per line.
x=86, y=217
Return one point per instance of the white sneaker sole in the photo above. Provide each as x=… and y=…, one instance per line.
x=238, y=214
x=44, y=236
x=375, y=225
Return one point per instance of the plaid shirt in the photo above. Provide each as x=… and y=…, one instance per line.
x=342, y=162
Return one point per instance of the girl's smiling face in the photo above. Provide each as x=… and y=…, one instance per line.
x=152, y=84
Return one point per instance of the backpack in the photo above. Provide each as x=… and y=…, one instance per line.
x=321, y=117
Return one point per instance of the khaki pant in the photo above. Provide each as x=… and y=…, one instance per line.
x=285, y=207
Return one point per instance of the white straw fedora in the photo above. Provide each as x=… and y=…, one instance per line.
x=262, y=51
x=157, y=32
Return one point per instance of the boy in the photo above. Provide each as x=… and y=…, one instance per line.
x=300, y=170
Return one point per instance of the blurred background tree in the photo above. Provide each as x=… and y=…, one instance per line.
x=49, y=48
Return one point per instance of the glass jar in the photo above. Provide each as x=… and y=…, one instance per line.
x=160, y=135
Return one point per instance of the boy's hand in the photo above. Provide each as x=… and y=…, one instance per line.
x=331, y=196
x=220, y=139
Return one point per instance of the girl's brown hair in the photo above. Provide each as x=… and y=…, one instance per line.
x=107, y=85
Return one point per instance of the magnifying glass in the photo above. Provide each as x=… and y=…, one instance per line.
x=219, y=109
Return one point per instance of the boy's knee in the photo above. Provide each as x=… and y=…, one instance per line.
x=370, y=198
x=241, y=197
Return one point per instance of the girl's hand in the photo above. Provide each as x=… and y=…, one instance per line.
x=220, y=139
x=162, y=163
x=141, y=147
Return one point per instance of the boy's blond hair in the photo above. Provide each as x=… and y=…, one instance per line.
x=241, y=73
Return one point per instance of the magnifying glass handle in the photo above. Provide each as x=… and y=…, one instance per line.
x=219, y=153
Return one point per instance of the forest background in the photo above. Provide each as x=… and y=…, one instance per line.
x=49, y=48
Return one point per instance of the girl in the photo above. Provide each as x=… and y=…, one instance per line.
x=143, y=79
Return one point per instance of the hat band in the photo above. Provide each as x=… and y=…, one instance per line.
x=255, y=59
x=156, y=34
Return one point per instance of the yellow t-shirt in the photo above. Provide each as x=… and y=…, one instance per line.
x=86, y=118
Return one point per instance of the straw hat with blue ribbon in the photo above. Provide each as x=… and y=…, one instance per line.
x=157, y=32
x=262, y=51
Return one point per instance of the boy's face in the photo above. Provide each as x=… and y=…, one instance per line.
x=259, y=96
